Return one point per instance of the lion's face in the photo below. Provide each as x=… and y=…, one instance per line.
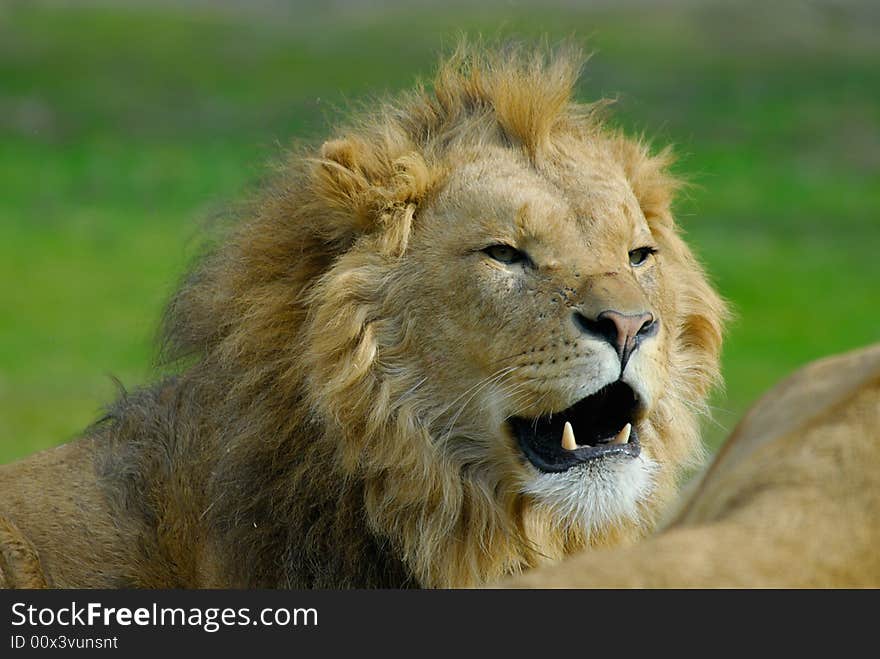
x=506, y=338
x=538, y=307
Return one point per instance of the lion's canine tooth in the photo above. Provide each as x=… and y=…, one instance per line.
x=568, y=442
x=623, y=436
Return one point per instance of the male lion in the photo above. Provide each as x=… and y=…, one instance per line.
x=462, y=339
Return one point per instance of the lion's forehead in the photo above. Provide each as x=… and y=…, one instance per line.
x=580, y=201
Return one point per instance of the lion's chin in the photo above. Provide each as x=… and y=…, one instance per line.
x=600, y=426
x=599, y=494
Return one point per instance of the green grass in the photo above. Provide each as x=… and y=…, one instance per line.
x=123, y=129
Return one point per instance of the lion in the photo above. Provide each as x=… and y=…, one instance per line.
x=791, y=500
x=461, y=339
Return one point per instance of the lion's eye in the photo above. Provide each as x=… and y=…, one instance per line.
x=638, y=256
x=506, y=254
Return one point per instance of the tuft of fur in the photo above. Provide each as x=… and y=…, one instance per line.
x=301, y=446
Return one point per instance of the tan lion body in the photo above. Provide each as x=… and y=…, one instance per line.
x=354, y=356
x=58, y=507
x=792, y=500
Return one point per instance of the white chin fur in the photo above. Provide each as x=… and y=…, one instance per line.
x=597, y=494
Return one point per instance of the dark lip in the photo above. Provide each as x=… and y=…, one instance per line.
x=596, y=419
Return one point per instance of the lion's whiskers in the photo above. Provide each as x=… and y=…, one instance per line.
x=495, y=377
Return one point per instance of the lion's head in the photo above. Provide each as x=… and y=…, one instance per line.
x=475, y=304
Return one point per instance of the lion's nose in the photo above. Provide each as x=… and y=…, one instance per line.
x=623, y=331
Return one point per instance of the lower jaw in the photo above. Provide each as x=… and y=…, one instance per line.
x=583, y=457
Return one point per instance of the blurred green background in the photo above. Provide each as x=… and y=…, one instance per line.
x=123, y=126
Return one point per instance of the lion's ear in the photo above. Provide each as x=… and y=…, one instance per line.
x=375, y=188
x=342, y=183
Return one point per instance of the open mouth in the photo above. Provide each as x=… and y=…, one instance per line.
x=596, y=426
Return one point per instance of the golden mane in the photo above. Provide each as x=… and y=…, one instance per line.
x=291, y=313
x=312, y=450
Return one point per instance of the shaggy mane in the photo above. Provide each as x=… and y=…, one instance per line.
x=320, y=469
